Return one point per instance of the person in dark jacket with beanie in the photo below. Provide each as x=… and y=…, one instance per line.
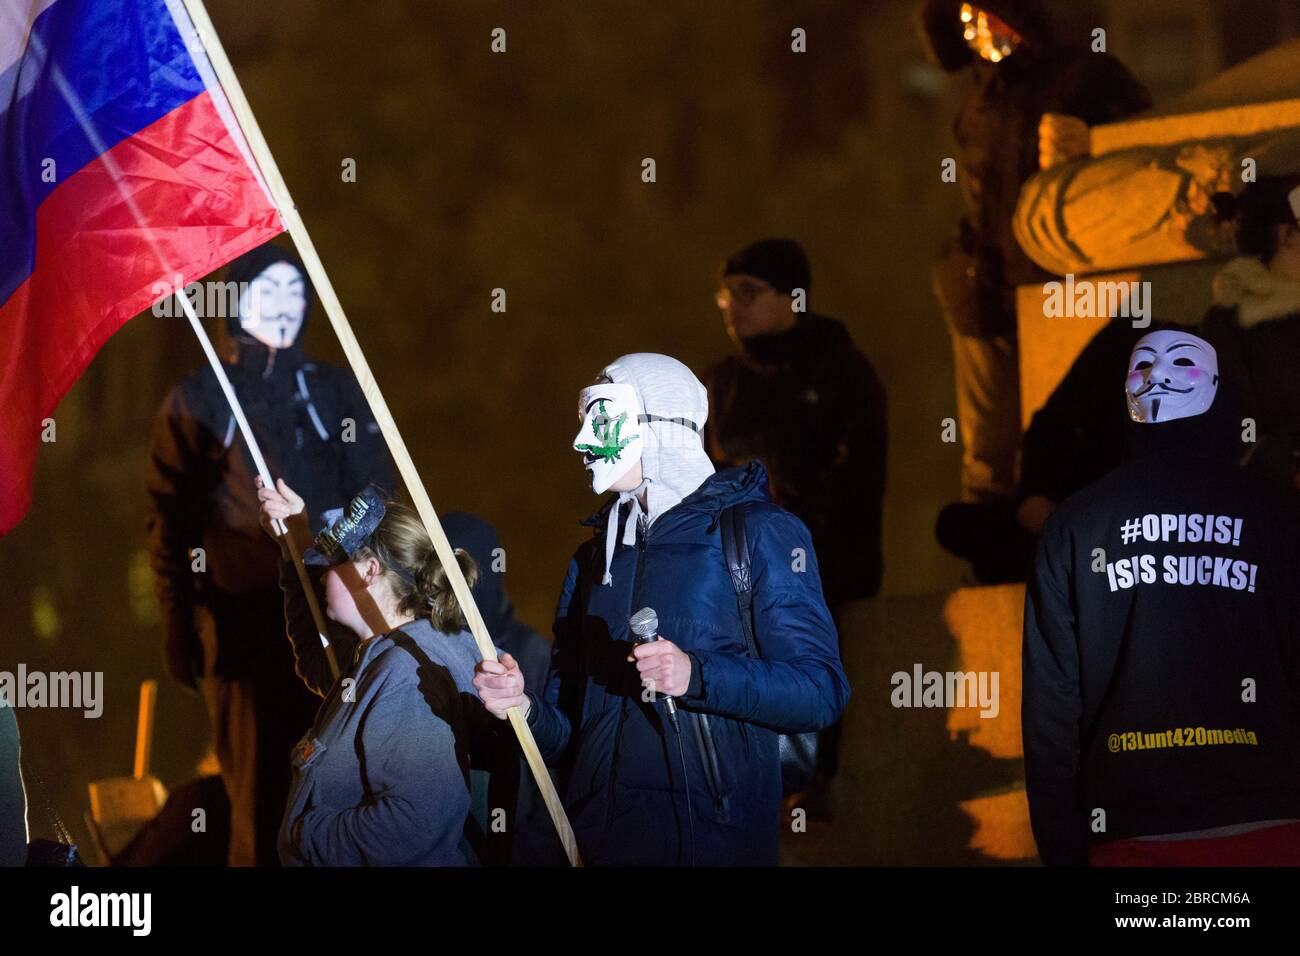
x=215, y=572
x=803, y=399
x=1019, y=75
x=1160, y=713
x=697, y=782
x=1255, y=320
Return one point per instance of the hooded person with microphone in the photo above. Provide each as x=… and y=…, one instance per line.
x=650, y=611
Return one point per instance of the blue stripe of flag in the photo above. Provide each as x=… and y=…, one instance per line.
x=126, y=63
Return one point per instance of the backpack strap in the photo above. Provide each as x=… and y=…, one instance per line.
x=311, y=406
x=735, y=548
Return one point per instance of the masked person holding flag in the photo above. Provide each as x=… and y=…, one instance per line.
x=382, y=776
x=215, y=572
x=669, y=746
x=1160, y=714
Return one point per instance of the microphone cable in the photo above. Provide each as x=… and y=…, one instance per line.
x=686, y=785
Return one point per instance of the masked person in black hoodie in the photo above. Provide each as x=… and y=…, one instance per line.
x=221, y=609
x=1160, y=711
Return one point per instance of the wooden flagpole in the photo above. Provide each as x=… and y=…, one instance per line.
x=351, y=348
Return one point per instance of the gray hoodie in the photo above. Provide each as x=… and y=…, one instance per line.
x=381, y=779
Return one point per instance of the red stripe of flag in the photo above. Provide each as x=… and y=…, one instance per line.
x=96, y=266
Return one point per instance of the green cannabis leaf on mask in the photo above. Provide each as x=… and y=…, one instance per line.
x=607, y=431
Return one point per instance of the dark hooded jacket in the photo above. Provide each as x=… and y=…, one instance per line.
x=525, y=645
x=1137, y=716
x=529, y=836
x=811, y=407
x=316, y=431
x=626, y=786
x=996, y=130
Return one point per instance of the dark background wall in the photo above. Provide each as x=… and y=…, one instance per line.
x=522, y=171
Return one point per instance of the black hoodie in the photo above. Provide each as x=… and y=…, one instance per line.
x=1160, y=671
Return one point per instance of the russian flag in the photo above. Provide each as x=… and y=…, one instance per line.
x=123, y=176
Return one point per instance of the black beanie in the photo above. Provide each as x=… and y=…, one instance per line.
x=253, y=263
x=781, y=262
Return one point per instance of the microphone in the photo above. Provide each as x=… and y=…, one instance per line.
x=645, y=628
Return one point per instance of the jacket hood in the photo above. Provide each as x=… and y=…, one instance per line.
x=1256, y=292
x=721, y=490
x=941, y=31
x=473, y=534
x=242, y=349
x=731, y=486
x=673, y=460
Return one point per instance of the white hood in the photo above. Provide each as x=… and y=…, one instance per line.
x=673, y=461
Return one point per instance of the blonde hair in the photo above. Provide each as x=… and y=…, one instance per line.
x=401, y=539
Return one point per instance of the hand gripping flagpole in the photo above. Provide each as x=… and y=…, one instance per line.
x=216, y=54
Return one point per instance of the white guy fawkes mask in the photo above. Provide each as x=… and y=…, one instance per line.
x=272, y=307
x=610, y=438
x=1171, y=374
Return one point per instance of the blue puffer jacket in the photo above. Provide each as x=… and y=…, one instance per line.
x=625, y=791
